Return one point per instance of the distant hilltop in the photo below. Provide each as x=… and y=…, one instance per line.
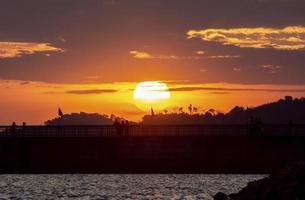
x=287, y=110
x=82, y=118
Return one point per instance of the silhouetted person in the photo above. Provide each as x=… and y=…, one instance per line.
x=13, y=128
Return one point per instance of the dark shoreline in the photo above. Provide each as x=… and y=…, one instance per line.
x=285, y=184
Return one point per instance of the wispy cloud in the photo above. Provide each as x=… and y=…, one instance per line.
x=141, y=55
x=287, y=38
x=93, y=91
x=145, y=55
x=272, y=69
x=219, y=92
x=224, y=56
x=17, y=49
x=93, y=77
x=200, y=88
x=203, y=70
x=199, y=55
x=200, y=52
x=25, y=82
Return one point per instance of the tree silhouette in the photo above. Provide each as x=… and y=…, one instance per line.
x=195, y=109
x=152, y=112
x=190, y=109
x=280, y=112
x=83, y=118
x=180, y=109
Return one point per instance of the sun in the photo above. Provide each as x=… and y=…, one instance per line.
x=151, y=94
x=151, y=91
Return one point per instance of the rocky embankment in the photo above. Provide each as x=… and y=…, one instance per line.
x=286, y=184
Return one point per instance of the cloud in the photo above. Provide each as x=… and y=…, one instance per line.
x=25, y=82
x=200, y=52
x=93, y=77
x=199, y=88
x=271, y=69
x=141, y=55
x=17, y=49
x=145, y=55
x=203, y=70
x=219, y=93
x=94, y=91
x=287, y=38
x=236, y=69
x=224, y=56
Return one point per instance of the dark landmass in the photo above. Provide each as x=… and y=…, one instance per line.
x=287, y=110
x=286, y=184
x=280, y=112
x=82, y=118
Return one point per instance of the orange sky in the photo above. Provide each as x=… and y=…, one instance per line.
x=90, y=55
x=36, y=102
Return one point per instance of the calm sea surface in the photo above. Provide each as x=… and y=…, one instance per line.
x=145, y=186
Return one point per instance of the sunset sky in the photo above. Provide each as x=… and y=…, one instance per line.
x=89, y=55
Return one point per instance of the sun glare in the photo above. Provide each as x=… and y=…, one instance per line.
x=151, y=91
x=151, y=94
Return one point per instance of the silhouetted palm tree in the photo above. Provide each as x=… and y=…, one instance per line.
x=152, y=112
x=190, y=109
x=195, y=109
x=180, y=109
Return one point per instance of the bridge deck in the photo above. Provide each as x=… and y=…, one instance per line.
x=152, y=130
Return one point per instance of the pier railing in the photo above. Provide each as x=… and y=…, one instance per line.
x=152, y=130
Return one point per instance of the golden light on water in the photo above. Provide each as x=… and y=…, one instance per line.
x=151, y=94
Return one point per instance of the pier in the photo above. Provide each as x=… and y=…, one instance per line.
x=153, y=130
x=150, y=149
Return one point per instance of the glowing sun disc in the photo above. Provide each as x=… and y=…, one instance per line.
x=151, y=91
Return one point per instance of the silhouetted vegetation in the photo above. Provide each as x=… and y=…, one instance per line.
x=83, y=118
x=283, y=111
x=287, y=110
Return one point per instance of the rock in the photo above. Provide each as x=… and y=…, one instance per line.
x=286, y=184
x=220, y=196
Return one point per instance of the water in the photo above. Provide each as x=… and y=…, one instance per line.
x=120, y=186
